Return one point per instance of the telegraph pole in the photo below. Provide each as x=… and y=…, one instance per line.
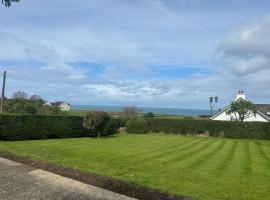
x=3, y=91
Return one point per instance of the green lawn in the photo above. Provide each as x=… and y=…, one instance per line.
x=203, y=168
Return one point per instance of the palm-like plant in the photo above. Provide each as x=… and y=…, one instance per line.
x=7, y=3
x=213, y=101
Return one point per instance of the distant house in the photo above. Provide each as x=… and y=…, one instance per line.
x=47, y=104
x=64, y=106
x=262, y=111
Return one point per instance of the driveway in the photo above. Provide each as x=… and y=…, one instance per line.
x=22, y=182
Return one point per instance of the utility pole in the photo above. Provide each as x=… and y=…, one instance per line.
x=3, y=91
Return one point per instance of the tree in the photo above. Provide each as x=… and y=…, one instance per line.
x=19, y=95
x=241, y=109
x=30, y=109
x=36, y=98
x=130, y=111
x=213, y=101
x=7, y=3
x=96, y=122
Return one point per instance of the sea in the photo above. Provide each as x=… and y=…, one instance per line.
x=155, y=110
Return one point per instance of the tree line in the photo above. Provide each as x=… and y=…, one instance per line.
x=21, y=103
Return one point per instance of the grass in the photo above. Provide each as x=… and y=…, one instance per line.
x=82, y=113
x=202, y=168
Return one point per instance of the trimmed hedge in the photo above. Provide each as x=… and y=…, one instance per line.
x=229, y=129
x=137, y=126
x=30, y=127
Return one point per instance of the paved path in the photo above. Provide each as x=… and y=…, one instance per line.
x=21, y=182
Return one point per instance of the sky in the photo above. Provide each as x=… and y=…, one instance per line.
x=157, y=53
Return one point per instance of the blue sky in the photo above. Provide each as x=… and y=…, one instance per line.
x=161, y=53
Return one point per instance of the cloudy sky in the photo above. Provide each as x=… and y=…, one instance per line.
x=160, y=53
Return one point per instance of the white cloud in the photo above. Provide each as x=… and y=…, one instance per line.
x=127, y=39
x=246, y=50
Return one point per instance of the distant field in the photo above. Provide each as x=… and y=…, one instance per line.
x=82, y=113
x=202, y=168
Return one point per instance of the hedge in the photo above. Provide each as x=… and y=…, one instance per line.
x=29, y=127
x=229, y=129
x=137, y=126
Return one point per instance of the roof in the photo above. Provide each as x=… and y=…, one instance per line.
x=262, y=109
x=58, y=103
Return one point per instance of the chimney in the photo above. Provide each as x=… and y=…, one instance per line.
x=240, y=94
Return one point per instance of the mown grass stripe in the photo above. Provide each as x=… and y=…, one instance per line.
x=188, y=145
x=198, y=163
x=246, y=166
x=166, y=148
x=134, y=146
x=186, y=155
x=225, y=163
x=263, y=154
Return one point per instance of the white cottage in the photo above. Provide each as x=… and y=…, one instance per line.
x=64, y=106
x=262, y=111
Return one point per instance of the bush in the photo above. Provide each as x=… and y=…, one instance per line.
x=30, y=127
x=120, y=122
x=149, y=114
x=229, y=129
x=96, y=121
x=137, y=126
x=111, y=128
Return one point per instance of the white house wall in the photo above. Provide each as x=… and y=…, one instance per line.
x=65, y=107
x=224, y=117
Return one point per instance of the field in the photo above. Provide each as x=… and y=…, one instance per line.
x=82, y=113
x=202, y=168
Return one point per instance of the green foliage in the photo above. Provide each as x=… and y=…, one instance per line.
x=21, y=104
x=20, y=95
x=120, y=122
x=229, y=129
x=241, y=109
x=96, y=121
x=137, y=126
x=30, y=109
x=149, y=114
x=111, y=128
x=29, y=127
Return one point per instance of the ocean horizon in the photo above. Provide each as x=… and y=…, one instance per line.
x=155, y=110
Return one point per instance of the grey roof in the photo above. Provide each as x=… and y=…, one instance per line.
x=264, y=108
x=58, y=103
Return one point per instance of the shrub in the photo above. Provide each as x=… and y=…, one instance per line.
x=149, y=114
x=137, y=126
x=111, y=128
x=120, y=122
x=30, y=127
x=96, y=121
x=229, y=129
